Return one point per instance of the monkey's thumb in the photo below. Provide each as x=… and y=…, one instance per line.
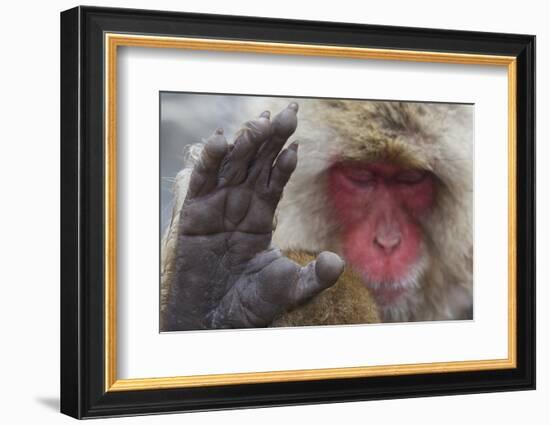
x=328, y=268
x=317, y=276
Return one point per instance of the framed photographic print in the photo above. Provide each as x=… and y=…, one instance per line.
x=261, y=212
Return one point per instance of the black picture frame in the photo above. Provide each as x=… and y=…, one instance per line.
x=83, y=393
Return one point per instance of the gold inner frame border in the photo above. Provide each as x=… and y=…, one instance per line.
x=113, y=40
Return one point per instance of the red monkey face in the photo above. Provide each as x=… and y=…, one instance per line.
x=379, y=206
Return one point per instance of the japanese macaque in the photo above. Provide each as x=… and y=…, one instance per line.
x=374, y=223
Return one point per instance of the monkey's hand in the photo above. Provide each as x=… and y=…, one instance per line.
x=227, y=273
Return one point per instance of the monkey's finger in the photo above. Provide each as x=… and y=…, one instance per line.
x=318, y=276
x=205, y=173
x=282, y=170
x=247, y=142
x=283, y=125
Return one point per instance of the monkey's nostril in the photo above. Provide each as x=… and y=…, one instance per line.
x=388, y=243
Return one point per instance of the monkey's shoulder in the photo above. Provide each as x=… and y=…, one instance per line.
x=348, y=301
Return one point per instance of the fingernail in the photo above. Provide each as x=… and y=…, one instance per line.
x=265, y=114
x=294, y=146
x=294, y=106
x=219, y=130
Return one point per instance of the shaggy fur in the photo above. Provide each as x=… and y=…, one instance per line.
x=434, y=137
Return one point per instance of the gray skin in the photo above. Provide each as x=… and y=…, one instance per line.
x=227, y=273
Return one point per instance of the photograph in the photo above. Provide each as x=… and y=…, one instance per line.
x=285, y=211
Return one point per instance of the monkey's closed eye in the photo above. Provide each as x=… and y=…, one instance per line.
x=410, y=176
x=359, y=176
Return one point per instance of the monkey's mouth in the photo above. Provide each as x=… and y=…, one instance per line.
x=385, y=295
x=389, y=290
